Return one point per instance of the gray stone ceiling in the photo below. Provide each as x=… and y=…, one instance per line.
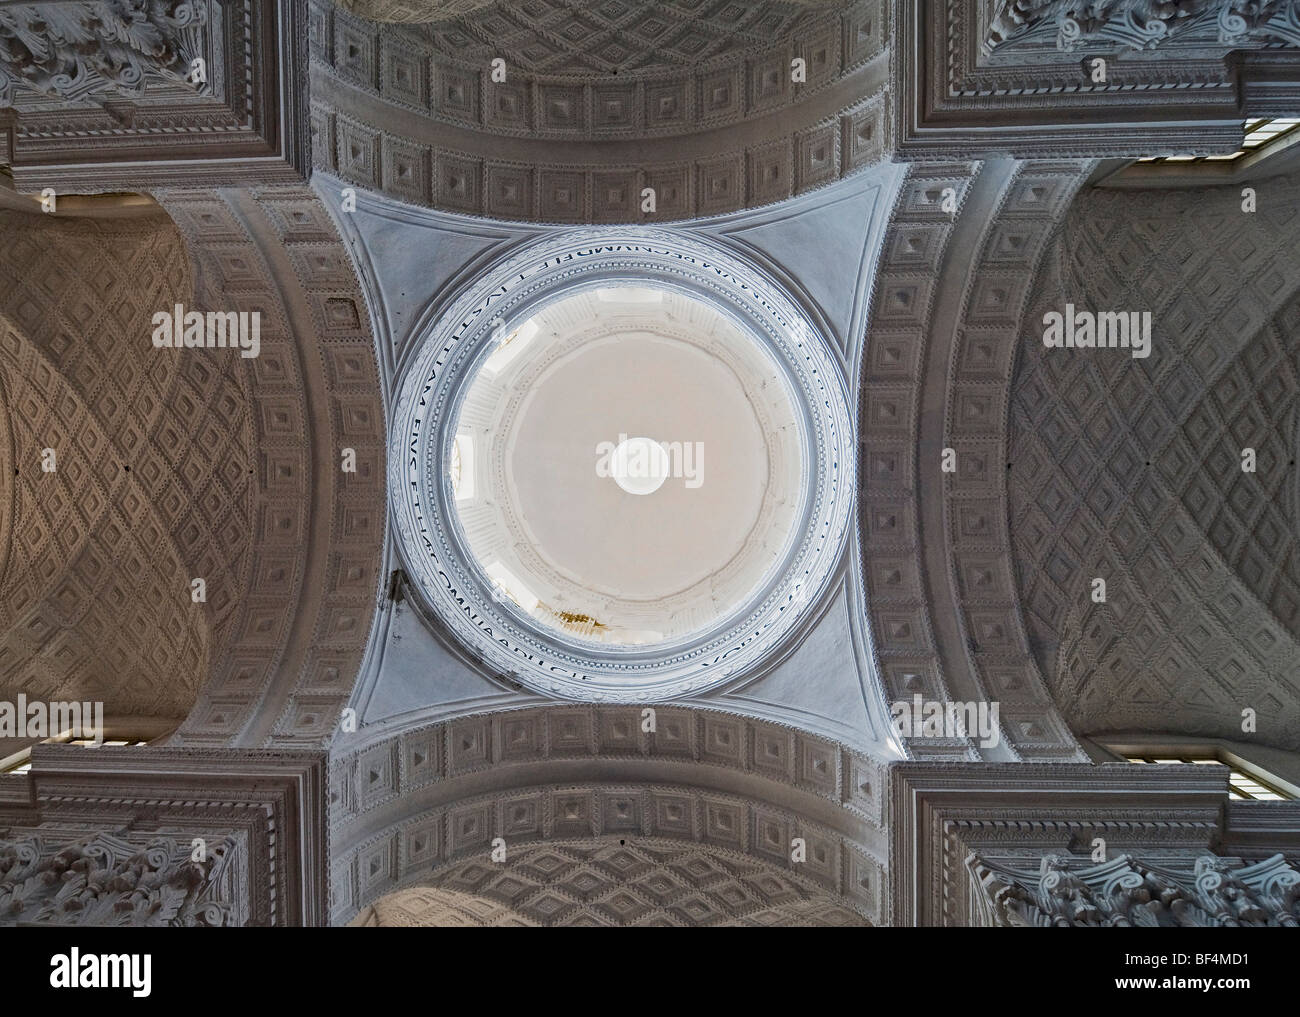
x=595, y=103
x=1131, y=469
x=615, y=884
x=600, y=819
x=174, y=466
x=556, y=15
x=617, y=37
x=927, y=279
x=821, y=679
x=96, y=554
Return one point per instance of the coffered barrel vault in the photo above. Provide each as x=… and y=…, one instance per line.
x=128, y=473
x=690, y=822
x=1132, y=469
x=697, y=103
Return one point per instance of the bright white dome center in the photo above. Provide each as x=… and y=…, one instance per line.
x=639, y=465
x=627, y=465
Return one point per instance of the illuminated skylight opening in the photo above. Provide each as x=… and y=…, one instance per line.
x=1241, y=785
x=630, y=295
x=511, y=586
x=1260, y=132
x=462, y=467
x=509, y=346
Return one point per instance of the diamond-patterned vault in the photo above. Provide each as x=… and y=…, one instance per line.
x=619, y=38
x=614, y=883
x=152, y=464
x=1131, y=470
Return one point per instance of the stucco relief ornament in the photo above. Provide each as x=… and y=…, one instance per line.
x=98, y=50
x=1207, y=891
x=105, y=881
x=1143, y=24
x=1137, y=24
x=1247, y=20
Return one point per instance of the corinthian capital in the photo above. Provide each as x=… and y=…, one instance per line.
x=105, y=880
x=1141, y=24
x=98, y=49
x=1200, y=891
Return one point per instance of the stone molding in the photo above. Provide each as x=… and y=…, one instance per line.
x=1142, y=24
x=1029, y=99
x=943, y=334
x=103, y=880
x=302, y=624
x=148, y=128
x=426, y=11
x=1205, y=891
x=96, y=51
x=425, y=518
x=1013, y=814
x=260, y=817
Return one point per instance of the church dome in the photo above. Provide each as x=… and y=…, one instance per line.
x=621, y=474
x=627, y=464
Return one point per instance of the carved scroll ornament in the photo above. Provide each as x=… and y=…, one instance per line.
x=100, y=49
x=1142, y=24
x=1208, y=891
x=103, y=880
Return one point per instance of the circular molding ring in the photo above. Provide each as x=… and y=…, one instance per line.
x=427, y=406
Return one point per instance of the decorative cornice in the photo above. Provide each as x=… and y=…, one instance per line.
x=941, y=813
x=258, y=819
x=245, y=123
x=1142, y=24
x=956, y=96
x=105, y=880
x=98, y=50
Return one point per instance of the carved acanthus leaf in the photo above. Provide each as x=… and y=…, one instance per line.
x=1206, y=891
x=1141, y=24
x=103, y=880
x=98, y=49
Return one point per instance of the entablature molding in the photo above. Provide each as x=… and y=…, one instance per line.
x=202, y=92
x=992, y=78
x=164, y=836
